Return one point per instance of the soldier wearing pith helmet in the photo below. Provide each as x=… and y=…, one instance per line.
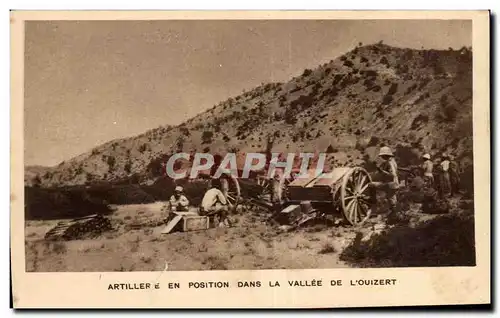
x=389, y=176
x=427, y=167
x=178, y=201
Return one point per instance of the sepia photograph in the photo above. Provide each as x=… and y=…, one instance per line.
x=208, y=145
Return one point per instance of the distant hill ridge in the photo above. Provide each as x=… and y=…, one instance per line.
x=347, y=107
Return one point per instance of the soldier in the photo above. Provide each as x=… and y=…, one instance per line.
x=390, y=179
x=214, y=203
x=427, y=170
x=178, y=201
x=438, y=179
x=454, y=175
x=445, y=170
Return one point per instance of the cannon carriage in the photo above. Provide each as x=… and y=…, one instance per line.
x=344, y=190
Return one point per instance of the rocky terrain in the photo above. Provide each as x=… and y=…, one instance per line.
x=412, y=100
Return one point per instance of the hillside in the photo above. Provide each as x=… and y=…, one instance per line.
x=410, y=99
x=32, y=173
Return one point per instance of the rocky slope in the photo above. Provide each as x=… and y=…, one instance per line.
x=419, y=100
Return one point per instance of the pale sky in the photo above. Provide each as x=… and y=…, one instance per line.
x=89, y=82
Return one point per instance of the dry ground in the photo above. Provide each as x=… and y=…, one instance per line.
x=250, y=244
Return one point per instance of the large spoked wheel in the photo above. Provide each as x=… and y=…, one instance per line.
x=355, y=197
x=231, y=189
x=266, y=188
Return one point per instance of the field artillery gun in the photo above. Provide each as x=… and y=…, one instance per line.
x=344, y=190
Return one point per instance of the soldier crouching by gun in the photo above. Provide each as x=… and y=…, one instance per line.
x=390, y=181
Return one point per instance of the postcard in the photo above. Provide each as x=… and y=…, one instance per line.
x=250, y=159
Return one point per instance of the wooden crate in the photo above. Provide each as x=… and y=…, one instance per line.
x=195, y=223
x=289, y=214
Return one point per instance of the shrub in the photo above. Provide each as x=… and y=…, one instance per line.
x=278, y=116
x=348, y=63
x=406, y=156
x=371, y=73
x=447, y=112
x=111, y=162
x=58, y=203
x=423, y=83
x=307, y=72
x=402, y=69
x=442, y=241
x=330, y=149
x=290, y=117
x=438, y=69
x=411, y=88
x=420, y=119
x=387, y=99
x=303, y=102
x=393, y=89
x=143, y=147
x=408, y=55
x=128, y=167
x=327, y=248
x=422, y=97
x=206, y=137
x=368, y=83
x=374, y=141
x=384, y=61
x=331, y=93
x=337, y=79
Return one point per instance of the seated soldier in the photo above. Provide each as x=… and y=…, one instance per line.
x=215, y=203
x=178, y=201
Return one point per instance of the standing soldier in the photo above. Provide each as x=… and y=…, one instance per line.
x=427, y=167
x=390, y=179
x=276, y=190
x=454, y=176
x=438, y=179
x=445, y=168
